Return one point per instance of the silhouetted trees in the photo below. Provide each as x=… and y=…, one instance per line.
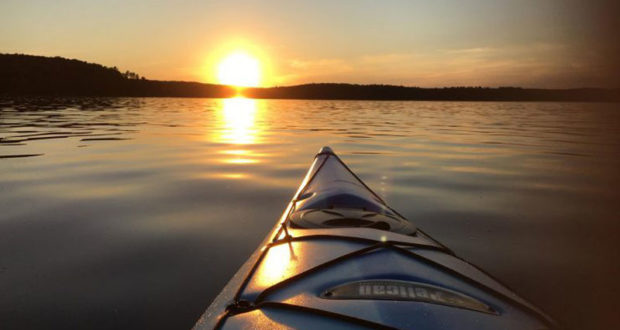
x=131, y=75
x=39, y=75
x=388, y=92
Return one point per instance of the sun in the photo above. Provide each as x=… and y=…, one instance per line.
x=239, y=69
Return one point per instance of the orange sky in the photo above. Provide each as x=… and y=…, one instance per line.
x=530, y=43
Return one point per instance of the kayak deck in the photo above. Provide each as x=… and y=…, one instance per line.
x=340, y=257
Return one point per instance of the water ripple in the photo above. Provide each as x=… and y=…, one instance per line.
x=116, y=190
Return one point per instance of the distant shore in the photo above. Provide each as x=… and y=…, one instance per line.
x=27, y=75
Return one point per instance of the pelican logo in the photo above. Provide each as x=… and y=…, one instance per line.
x=407, y=291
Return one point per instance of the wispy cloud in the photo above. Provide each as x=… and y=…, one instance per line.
x=528, y=65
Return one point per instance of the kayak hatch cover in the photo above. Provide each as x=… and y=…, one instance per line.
x=340, y=257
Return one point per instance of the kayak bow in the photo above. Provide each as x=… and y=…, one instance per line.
x=340, y=257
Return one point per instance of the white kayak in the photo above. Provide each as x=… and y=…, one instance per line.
x=340, y=257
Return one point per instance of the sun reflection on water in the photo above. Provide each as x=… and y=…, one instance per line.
x=238, y=116
x=238, y=130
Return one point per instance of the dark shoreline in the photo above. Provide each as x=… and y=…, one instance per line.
x=29, y=99
x=39, y=76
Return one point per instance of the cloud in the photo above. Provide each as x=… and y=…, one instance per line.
x=548, y=65
x=337, y=65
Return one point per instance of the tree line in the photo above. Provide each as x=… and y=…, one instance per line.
x=56, y=76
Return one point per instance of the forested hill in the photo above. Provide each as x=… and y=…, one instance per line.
x=390, y=92
x=55, y=76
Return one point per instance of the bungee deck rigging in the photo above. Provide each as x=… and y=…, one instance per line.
x=341, y=257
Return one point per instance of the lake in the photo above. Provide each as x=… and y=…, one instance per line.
x=134, y=212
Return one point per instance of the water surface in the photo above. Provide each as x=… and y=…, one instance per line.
x=133, y=213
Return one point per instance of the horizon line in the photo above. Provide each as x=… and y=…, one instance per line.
x=332, y=83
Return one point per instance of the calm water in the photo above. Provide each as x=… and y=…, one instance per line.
x=126, y=213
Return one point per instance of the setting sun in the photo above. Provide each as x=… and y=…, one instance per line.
x=239, y=69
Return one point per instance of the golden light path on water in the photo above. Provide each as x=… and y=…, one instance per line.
x=237, y=118
x=157, y=178
x=238, y=121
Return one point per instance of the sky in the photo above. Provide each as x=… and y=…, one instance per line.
x=527, y=43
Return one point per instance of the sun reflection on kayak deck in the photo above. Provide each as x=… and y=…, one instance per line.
x=280, y=263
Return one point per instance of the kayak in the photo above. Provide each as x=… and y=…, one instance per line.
x=340, y=257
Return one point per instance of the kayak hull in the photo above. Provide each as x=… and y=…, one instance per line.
x=358, y=276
